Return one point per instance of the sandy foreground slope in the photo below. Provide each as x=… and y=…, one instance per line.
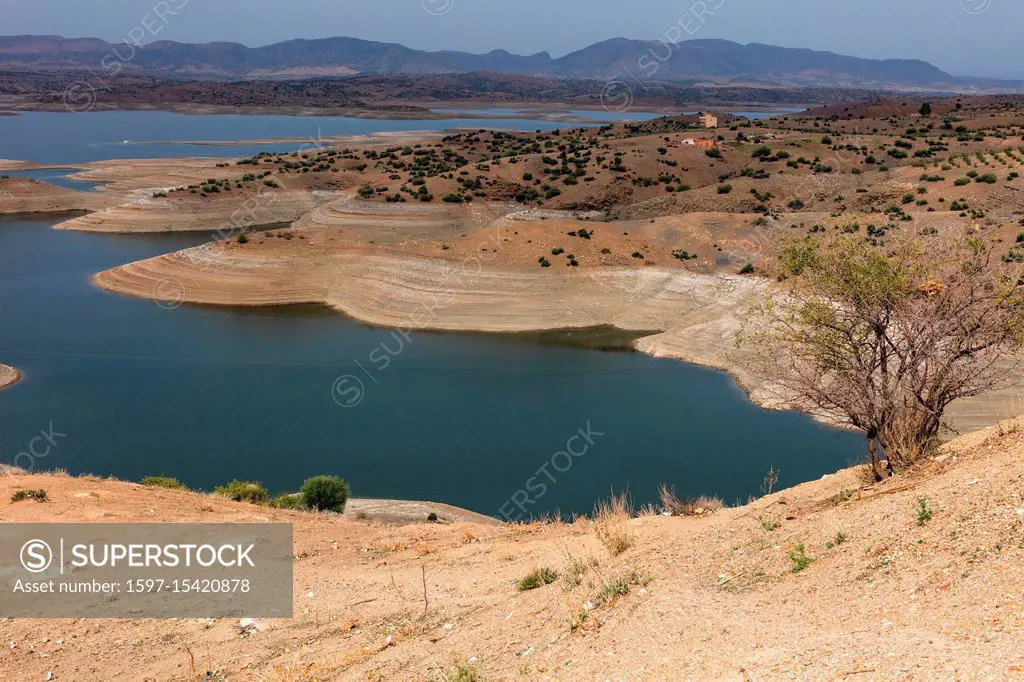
x=8, y=376
x=712, y=597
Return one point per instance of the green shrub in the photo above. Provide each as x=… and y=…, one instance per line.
x=724, y=189
x=537, y=578
x=325, y=493
x=924, y=512
x=798, y=556
x=37, y=495
x=244, y=491
x=288, y=501
x=162, y=482
x=432, y=517
x=747, y=269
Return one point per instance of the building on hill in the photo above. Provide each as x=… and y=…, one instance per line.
x=700, y=142
x=707, y=120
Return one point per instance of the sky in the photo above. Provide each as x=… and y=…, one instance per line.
x=962, y=37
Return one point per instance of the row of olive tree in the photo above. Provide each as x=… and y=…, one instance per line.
x=884, y=339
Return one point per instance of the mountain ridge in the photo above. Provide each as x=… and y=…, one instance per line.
x=715, y=61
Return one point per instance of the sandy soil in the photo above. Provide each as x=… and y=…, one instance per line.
x=8, y=376
x=883, y=594
x=22, y=196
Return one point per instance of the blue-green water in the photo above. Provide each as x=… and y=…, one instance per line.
x=58, y=138
x=210, y=394
x=54, y=176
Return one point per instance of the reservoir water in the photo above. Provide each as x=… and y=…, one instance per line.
x=210, y=394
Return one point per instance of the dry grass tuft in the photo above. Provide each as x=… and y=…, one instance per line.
x=611, y=523
x=575, y=569
x=539, y=577
x=697, y=506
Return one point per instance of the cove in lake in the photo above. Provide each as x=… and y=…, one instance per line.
x=210, y=394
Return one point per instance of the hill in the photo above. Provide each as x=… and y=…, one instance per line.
x=717, y=61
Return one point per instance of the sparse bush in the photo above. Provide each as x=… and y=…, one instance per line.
x=839, y=539
x=724, y=189
x=244, y=491
x=924, y=512
x=611, y=524
x=432, y=517
x=37, y=495
x=464, y=672
x=908, y=304
x=798, y=556
x=576, y=569
x=162, y=482
x=537, y=578
x=771, y=479
x=288, y=501
x=325, y=493
x=617, y=587
x=747, y=269
x=695, y=506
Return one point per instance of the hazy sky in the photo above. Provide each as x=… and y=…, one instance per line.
x=963, y=37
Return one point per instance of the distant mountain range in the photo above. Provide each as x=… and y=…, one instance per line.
x=697, y=62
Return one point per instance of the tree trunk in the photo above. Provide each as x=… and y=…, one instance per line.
x=876, y=466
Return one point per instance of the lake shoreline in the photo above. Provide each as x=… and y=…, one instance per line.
x=424, y=111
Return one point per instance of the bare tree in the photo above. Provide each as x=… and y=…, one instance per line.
x=884, y=339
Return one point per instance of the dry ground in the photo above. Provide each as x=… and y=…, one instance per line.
x=883, y=594
x=8, y=376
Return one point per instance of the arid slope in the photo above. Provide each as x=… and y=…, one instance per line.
x=882, y=592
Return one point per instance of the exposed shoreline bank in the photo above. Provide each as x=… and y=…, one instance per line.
x=9, y=376
x=670, y=313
